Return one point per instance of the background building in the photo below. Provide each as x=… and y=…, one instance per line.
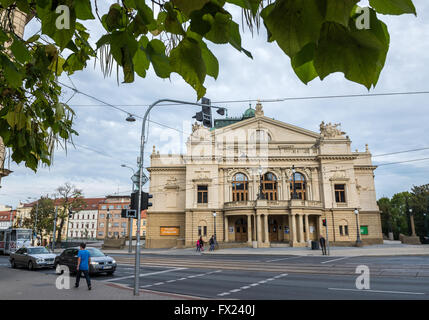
x=7, y=217
x=304, y=177
x=83, y=224
x=109, y=223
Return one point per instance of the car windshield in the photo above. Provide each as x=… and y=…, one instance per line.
x=95, y=252
x=37, y=250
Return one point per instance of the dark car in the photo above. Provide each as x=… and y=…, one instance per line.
x=32, y=258
x=100, y=263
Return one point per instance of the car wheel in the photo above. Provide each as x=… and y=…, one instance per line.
x=13, y=264
x=30, y=266
x=110, y=273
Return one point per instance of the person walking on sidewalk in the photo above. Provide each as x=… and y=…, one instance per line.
x=323, y=244
x=212, y=243
x=83, y=262
x=201, y=243
x=198, y=245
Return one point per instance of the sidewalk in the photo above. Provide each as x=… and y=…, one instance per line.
x=390, y=248
x=20, y=284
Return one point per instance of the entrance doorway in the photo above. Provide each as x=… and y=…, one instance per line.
x=273, y=230
x=241, y=230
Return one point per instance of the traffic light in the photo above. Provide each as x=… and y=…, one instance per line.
x=144, y=201
x=205, y=115
x=70, y=214
x=324, y=222
x=123, y=213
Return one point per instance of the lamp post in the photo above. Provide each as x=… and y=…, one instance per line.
x=35, y=221
x=358, y=241
x=261, y=195
x=130, y=220
x=294, y=195
x=142, y=141
x=214, y=225
x=413, y=228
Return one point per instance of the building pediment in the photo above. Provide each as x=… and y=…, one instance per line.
x=277, y=131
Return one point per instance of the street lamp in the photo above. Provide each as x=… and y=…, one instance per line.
x=214, y=225
x=358, y=241
x=261, y=195
x=294, y=195
x=130, y=220
x=142, y=142
x=35, y=222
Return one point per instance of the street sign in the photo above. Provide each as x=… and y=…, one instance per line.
x=131, y=213
x=136, y=176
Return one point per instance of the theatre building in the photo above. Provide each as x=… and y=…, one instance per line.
x=259, y=182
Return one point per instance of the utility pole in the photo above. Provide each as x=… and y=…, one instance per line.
x=35, y=223
x=55, y=229
x=142, y=142
x=130, y=220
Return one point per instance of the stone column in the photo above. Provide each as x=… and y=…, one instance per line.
x=249, y=228
x=293, y=229
x=300, y=228
x=307, y=229
x=226, y=228
x=266, y=240
x=259, y=227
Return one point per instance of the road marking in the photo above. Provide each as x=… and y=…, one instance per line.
x=376, y=291
x=158, y=283
x=145, y=274
x=336, y=259
x=288, y=258
x=252, y=285
x=170, y=281
x=181, y=279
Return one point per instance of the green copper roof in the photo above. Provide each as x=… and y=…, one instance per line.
x=220, y=123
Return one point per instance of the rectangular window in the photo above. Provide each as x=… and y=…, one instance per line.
x=340, y=193
x=102, y=215
x=202, y=194
x=346, y=230
x=144, y=222
x=124, y=224
x=104, y=207
x=117, y=215
x=116, y=224
x=199, y=231
x=205, y=231
x=341, y=231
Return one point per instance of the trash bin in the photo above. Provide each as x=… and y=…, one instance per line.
x=315, y=245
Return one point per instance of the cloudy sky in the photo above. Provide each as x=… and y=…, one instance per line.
x=106, y=140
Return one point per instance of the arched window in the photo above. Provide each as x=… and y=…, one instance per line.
x=269, y=185
x=300, y=186
x=240, y=188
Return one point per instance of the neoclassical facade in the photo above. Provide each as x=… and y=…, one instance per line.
x=255, y=181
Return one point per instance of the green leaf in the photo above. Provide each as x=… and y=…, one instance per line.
x=155, y=52
x=211, y=62
x=339, y=11
x=187, y=6
x=140, y=60
x=294, y=23
x=12, y=75
x=220, y=27
x=235, y=38
x=252, y=5
x=3, y=36
x=49, y=19
x=83, y=9
x=186, y=59
x=19, y=50
x=359, y=54
x=394, y=7
x=303, y=64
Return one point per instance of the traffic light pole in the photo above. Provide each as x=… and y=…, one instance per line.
x=137, y=258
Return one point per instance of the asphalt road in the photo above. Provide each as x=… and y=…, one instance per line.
x=272, y=277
